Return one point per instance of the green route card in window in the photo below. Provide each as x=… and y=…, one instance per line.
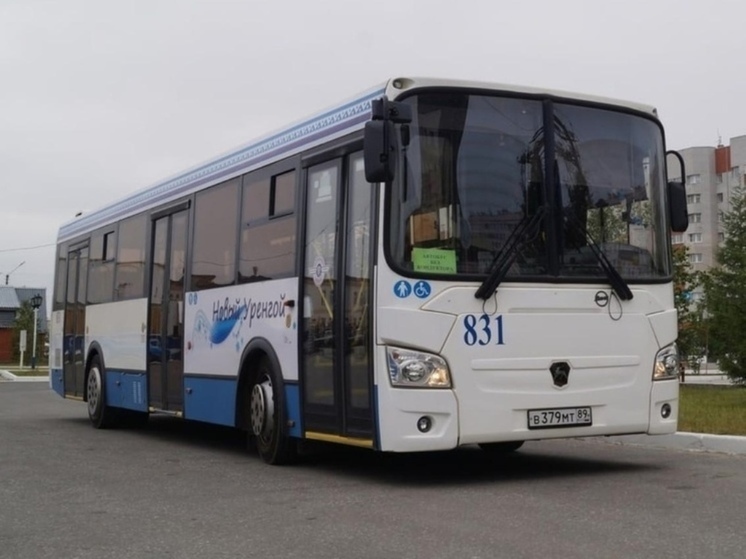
x=434, y=260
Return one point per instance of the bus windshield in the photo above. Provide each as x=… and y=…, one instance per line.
x=478, y=167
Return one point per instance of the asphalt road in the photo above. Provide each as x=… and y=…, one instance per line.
x=181, y=490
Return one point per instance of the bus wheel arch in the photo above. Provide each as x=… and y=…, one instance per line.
x=261, y=408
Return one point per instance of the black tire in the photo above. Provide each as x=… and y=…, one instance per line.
x=101, y=415
x=266, y=401
x=501, y=448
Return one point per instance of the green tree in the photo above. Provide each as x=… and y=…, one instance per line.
x=692, y=338
x=726, y=292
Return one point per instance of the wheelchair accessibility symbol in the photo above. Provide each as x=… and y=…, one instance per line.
x=421, y=289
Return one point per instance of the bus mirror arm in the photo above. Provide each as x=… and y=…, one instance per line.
x=677, y=210
x=379, y=140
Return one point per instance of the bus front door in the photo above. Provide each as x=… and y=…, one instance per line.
x=336, y=371
x=166, y=315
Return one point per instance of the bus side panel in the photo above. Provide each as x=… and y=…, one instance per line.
x=292, y=406
x=219, y=323
x=56, y=380
x=212, y=400
x=126, y=390
x=120, y=329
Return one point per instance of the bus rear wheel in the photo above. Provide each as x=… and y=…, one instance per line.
x=501, y=448
x=267, y=412
x=101, y=415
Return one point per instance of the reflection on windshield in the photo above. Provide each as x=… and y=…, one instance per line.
x=611, y=179
x=475, y=169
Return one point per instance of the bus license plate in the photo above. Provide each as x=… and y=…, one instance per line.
x=559, y=417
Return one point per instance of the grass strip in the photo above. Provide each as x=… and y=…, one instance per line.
x=718, y=410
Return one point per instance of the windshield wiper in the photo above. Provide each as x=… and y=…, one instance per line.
x=504, y=259
x=617, y=282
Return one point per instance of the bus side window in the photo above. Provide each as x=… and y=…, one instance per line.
x=268, y=229
x=214, y=251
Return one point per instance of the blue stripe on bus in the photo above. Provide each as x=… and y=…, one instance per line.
x=212, y=400
x=127, y=390
x=57, y=381
x=337, y=119
x=292, y=405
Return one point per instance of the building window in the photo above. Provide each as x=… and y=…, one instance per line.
x=734, y=173
x=720, y=178
x=720, y=197
x=693, y=198
x=695, y=258
x=692, y=179
x=215, y=221
x=677, y=238
x=695, y=218
x=695, y=237
x=721, y=237
x=721, y=214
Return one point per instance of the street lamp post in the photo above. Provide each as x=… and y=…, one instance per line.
x=35, y=303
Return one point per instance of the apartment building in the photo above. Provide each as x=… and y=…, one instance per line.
x=712, y=174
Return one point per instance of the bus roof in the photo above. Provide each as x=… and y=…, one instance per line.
x=327, y=125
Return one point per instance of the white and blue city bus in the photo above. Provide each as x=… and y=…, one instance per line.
x=432, y=264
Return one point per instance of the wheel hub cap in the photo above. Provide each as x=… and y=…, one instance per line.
x=262, y=409
x=94, y=390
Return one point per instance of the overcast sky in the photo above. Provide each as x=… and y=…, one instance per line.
x=99, y=98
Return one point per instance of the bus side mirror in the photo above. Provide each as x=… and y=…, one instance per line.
x=378, y=151
x=379, y=143
x=678, y=214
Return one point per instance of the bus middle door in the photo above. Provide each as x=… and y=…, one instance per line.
x=166, y=314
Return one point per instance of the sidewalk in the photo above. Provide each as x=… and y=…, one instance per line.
x=711, y=377
x=42, y=376
x=699, y=442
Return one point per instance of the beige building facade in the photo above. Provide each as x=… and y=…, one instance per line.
x=712, y=175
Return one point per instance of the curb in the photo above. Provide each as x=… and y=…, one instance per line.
x=7, y=375
x=695, y=442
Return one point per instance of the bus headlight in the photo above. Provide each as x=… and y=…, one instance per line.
x=666, y=363
x=417, y=369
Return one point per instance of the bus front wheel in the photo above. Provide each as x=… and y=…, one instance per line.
x=267, y=410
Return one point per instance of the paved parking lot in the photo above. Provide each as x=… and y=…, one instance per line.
x=179, y=489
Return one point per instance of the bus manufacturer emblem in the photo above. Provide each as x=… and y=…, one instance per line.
x=602, y=298
x=560, y=373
